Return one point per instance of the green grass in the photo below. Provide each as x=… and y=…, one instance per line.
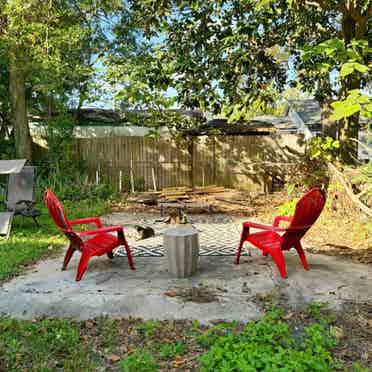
x=42, y=346
x=28, y=243
x=139, y=361
x=305, y=341
x=149, y=328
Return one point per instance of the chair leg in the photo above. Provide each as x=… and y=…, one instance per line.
x=301, y=253
x=36, y=221
x=243, y=238
x=83, y=264
x=123, y=241
x=278, y=257
x=69, y=253
x=129, y=254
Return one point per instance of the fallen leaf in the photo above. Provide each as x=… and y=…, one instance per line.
x=113, y=358
x=365, y=356
x=178, y=362
x=171, y=293
x=89, y=324
x=339, y=333
x=287, y=316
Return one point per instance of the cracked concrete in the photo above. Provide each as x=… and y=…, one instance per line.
x=110, y=288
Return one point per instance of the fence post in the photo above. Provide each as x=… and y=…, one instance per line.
x=190, y=149
x=131, y=173
x=98, y=174
x=153, y=178
x=214, y=160
x=120, y=180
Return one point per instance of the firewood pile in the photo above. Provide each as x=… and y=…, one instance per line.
x=207, y=198
x=175, y=194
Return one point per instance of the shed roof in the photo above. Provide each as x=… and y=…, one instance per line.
x=261, y=125
x=309, y=110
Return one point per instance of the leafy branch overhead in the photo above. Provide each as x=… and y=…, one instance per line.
x=332, y=56
x=227, y=56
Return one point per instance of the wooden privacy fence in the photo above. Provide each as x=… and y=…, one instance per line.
x=248, y=162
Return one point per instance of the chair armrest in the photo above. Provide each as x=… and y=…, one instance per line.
x=101, y=231
x=262, y=227
x=29, y=203
x=277, y=220
x=84, y=221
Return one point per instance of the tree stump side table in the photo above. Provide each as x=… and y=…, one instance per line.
x=182, y=250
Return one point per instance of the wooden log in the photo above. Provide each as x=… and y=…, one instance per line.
x=230, y=201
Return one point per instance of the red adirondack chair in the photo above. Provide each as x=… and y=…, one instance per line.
x=272, y=242
x=102, y=242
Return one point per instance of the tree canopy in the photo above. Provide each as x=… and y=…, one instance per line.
x=225, y=57
x=47, y=53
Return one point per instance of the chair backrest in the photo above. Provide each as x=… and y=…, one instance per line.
x=58, y=214
x=307, y=211
x=20, y=187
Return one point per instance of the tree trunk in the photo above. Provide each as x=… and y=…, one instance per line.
x=353, y=27
x=349, y=128
x=17, y=90
x=190, y=149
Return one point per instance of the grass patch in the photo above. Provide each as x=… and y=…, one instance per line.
x=140, y=360
x=42, y=346
x=28, y=243
x=315, y=339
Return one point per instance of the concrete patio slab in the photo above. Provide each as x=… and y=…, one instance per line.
x=110, y=288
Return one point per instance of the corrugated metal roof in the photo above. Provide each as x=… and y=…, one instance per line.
x=309, y=110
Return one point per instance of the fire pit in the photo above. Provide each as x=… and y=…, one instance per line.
x=181, y=245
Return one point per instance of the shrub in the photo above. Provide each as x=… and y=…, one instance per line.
x=288, y=208
x=269, y=345
x=323, y=149
x=72, y=187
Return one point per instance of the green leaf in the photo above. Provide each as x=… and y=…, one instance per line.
x=361, y=68
x=368, y=107
x=347, y=69
x=345, y=111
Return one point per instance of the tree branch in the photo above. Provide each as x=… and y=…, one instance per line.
x=349, y=191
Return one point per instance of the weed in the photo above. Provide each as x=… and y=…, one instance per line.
x=209, y=336
x=149, y=328
x=268, y=344
x=168, y=351
x=139, y=361
x=314, y=309
x=44, y=345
